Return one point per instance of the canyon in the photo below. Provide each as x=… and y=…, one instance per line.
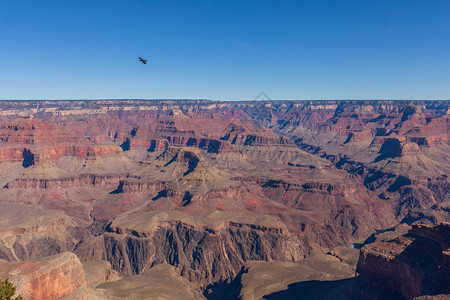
x=200, y=199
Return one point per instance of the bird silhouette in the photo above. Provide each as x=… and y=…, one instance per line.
x=144, y=61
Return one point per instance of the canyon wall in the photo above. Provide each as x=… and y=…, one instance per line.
x=207, y=186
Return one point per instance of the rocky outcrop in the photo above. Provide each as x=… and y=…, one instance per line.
x=135, y=186
x=410, y=265
x=50, y=278
x=28, y=138
x=151, y=145
x=358, y=136
x=28, y=232
x=410, y=149
x=206, y=248
x=318, y=276
x=98, y=272
x=64, y=183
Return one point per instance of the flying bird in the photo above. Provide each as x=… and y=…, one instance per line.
x=144, y=61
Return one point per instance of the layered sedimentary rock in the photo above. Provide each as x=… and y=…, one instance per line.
x=208, y=186
x=98, y=272
x=29, y=232
x=206, y=247
x=32, y=141
x=390, y=145
x=53, y=277
x=410, y=265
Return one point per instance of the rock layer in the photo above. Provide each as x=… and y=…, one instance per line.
x=208, y=186
x=410, y=265
x=52, y=278
x=206, y=248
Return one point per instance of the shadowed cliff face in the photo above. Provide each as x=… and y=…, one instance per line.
x=204, y=253
x=410, y=265
x=208, y=186
x=28, y=158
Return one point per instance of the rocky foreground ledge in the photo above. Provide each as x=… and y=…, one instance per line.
x=53, y=277
x=411, y=265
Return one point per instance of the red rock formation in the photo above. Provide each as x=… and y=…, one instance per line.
x=135, y=186
x=50, y=278
x=387, y=145
x=45, y=142
x=410, y=149
x=415, y=264
x=188, y=158
x=63, y=183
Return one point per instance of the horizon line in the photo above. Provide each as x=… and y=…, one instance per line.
x=210, y=100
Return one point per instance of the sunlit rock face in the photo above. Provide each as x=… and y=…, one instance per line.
x=53, y=277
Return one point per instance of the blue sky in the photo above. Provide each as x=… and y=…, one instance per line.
x=225, y=50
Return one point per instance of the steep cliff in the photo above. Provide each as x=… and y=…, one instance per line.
x=410, y=265
x=205, y=247
x=29, y=232
x=53, y=277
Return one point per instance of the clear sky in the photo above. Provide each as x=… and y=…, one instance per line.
x=225, y=50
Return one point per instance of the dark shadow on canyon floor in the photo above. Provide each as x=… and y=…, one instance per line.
x=225, y=290
x=315, y=290
x=324, y=290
